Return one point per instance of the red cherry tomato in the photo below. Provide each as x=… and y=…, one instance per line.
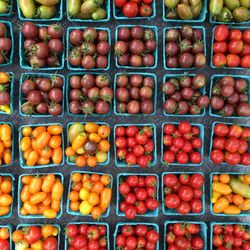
x=235, y=46
x=145, y=10
x=219, y=60
x=50, y=244
x=221, y=33
x=233, y=60
x=221, y=129
x=217, y=156
x=245, y=61
x=220, y=47
x=235, y=34
x=246, y=36
x=119, y=3
x=130, y=9
x=246, y=49
x=148, y=1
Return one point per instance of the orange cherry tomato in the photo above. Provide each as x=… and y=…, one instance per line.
x=92, y=161
x=224, y=178
x=26, y=153
x=105, y=179
x=46, y=152
x=38, y=198
x=96, y=213
x=37, y=131
x=43, y=161
x=55, y=141
x=76, y=186
x=26, y=131
x=35, y=184
x=95, y=177
x=216, y=177
x=4, y=210
x=25, y=143
x=93, y=199
x=42, y=140
x=57, y=155
x=94, y=137
x=54, y=129
x=49, y=213
x=32, y=158
x=238, y=199
x=26, y=179
x=70, y=151
x=5, y=132
x=4, y=233
x=55, y=205
x=47, y=231
x=38, y=245
x=76, y=177
x=17, y=236
x=7, y=156
x=105, y=198
x=30, y=208
x=5, y=200
x=73, y=196
x=25, y=193
x=6, y=187
x=74, y=205
x=57, y=191
x=104, y=131
x=7, y=144
x=88, y=184
x=80, y=161
x=98, y=187
x=47, y=201
x=48, y=182
x=85, y=177
x=104, y=145
x=91, y=127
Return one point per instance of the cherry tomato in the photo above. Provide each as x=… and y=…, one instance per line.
x=120, y=131
x=246, y=50
x=217, y=156
x=195, y=157
x=184, y=179
x=131, y=159
x=130, y=212
x=233, y=60
x=120, y=240
x=220, y=47
x=221, y=129
x=187, y=147
x=138, y=150
x=179, y=229
x=150, y=181
x=33, y=234
x=246, y=36
x=184, y=127
x=184, y=208
x=182, y=158
x=235, y=46
x=152, y=236
x=131, y=131
x=169, y=129
x=196, y=181
x=141, y=138
x=170, y=180
x=196, y=143
x=196, y=205
x=198, y=193
x=149, y=146
x=232, y=158
x=148, y=1
x=186, y=193
x=130, y=198
x=219, y=60
x=93, y=233
x=197, y=242
x=170, y=238
x=245, y=61
x=79, y=242
x=132, y=180
x=168, y=157
x=217, y=240
x=124, y=188
x=232, y=144
x=72, y=230
x=182, y=243
x=172, y=201
x=145, y=10
x=245, y=159
x=221, y=33
x=4, y=244
x=219, y=143
x=121, y=142
x=151, y=204
x=130, y=9
x=141, y=230
x=235, y=130
x=50, y=244
x=141, y=207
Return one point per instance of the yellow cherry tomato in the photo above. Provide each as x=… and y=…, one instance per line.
x=85, y=208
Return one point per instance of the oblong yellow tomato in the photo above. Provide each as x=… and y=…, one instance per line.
x=4, y=210
x=49, y=213
x=74, y=7
x=30, y=208
x=57, y=155
x=7, y=156
x=46, y=12
x=25, y=193
x=27, y=7
x=43, y=161
x=5, y=200
x=232, y=209
x=42, y=140
x=84, y=194
x=55, y=205
x=48, y=183
x=48, y=2
x=54, y=129
x=105, y=198
x=25, y=143
x=5, y=132
x=47, y=201
x=221, y=188
x=85, y=208
x=79, y=141
x=91, y=127
x=57, y=191
x=38, y=198
x=32, y=158
x=220, y=205
x=35, y=185
x=37, y=131
x=55, y=141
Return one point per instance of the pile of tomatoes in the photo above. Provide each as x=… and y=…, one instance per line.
x=182, y=143
x=88, y=144
x=231, y=47
x=184, y=192
x=89, y=48
x=230, y=144
x=184, y=236
x=6, y=198
x=136, y=46
x=226, y=236
x=90, y=94
x=230, y=193
x=37, y=237
x=87, y=236
x=90, y=194
x=5, y=144
x=42, y=95
x=137, y=195
x=134, y=8
x=4, y=238
x=41, y=195
x=41, y=145
x=135, y=145
x=43, y=45
x=5, y=43
x=131, y=236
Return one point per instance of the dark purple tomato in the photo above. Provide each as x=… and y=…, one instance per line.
x=36, y=62
x=55, y=46
x=243, y=109
x=186, y=60
x=199, y=60
x=44, y=85
x=88, y=62
x=75, y=82
x=29, y=30
x=4, y=98
x=90, y=34
x=87, y=107
x=197, y=35
x=136, y=80
x=75, y=37
x=170, y=106
x=134, y=93
x=55, y=109
x=147, y=107
x=121, y=107
x=123, y=60
x=102, y=35
x=172, y=35
x=101, y=61
x=217, y=102
x=146, y=92
x=74, y=107
x=103, y=48
x=150, y=45
x=122, y=94
x=240, y=85
x=172, y=62
x=148, y=60
x=198, y=81
x=136, y=47
x=227, y=80
x=102, y=107
x=102, y=81
x=56, y=95
x=187, y=31
x=227, y=110
x=27, y=86
x=42, y=108
x=75, y=94
x=133, y=107
x=234, y=98
x=148, y=81
x=176, y=96
x=135, y=61
x=88, y=81
x=187, y=93
x=203, y=101
x=122, y=80
x=124, y=34
x=34, y=97
x=183, y=108
x=171, y=48
x=185, y=81
x=137, y=32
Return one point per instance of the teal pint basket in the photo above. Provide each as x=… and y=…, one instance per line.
x=12, y=194
x=155, y=53
x=99, y=164
x=23, y=62
x=19, y=202
x=75, y=19
x=69, y=211
x=217, y=77
x=122, y=164
x=118, y=198
x=13, y=143
x=202, y=91
x=11, y=91
x=149, y=225
x=203, y=232
x=247, y=213
x=168, y=211
x=58, y=16
x=211, y=142
x=21, y=158
x=200, y=19
x=164, y=43
x=108, y=247
x=201, y=150
x=154, y=94
x=242, y=28
x=68, y=88
x=117, y=12
x=11, y=36
x=25, y=76
x=80, y=68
